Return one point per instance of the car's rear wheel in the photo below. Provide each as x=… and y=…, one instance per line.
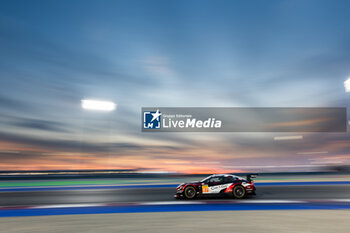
x=239, y=192
x=190, y=192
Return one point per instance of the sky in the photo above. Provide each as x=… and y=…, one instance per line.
x=167, y=53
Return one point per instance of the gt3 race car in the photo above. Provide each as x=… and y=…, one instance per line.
x=235, y=186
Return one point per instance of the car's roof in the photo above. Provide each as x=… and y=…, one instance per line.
x=215, y=175
x=226, y=175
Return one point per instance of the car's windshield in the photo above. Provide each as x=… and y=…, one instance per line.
x=205, y=180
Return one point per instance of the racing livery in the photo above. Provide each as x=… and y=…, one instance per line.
x=233, y=185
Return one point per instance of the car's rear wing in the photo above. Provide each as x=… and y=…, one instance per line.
x=251, y=176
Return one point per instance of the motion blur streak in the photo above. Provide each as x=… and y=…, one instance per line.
x=288, y=138
x=98, y=105
x=294, y=191
x=347, y=85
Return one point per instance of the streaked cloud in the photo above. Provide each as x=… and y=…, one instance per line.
x=187, y=56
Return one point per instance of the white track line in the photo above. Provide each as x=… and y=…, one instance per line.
x=66, y=206
x=221, y=202
x=171, y=203
x=270, y=201
x=340, y=200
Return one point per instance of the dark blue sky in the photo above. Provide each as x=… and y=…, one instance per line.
x=164, y=53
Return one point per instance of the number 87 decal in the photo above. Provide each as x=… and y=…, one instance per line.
x=205, y=189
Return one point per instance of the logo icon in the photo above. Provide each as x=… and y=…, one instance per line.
x=152, y=120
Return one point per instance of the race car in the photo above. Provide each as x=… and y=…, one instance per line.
x=224, y=184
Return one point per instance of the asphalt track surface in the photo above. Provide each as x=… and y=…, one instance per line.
x=158, y=194
x=277, y=221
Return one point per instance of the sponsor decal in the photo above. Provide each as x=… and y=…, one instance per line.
x=218, y=188
x=214, y=189
x=205, y=188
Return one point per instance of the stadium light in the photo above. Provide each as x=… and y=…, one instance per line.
x=98, y=105
x=347, y=85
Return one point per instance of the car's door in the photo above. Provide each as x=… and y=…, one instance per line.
x=216, y=184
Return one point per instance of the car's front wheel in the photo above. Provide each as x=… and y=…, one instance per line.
x=239, y=191
x=190, y=192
